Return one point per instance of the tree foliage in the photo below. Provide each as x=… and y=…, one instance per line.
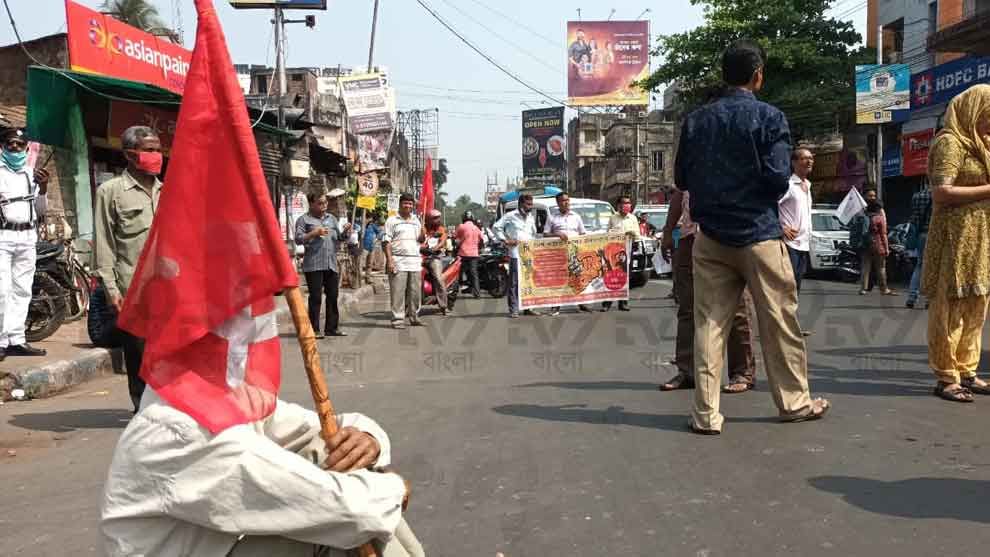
x=811, y=58
x=136, y=13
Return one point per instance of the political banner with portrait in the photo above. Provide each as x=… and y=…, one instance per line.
x=582, y=270
x=605, y=59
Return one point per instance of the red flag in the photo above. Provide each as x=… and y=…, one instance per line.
x=203, y=292
x=426, y=196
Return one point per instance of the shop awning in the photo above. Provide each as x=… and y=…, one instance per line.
x=53, y=93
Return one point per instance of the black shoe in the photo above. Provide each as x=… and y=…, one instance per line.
x=338, y=333
x=24, y=350
x=909, y=304
x=584, y=308
x=624, y=307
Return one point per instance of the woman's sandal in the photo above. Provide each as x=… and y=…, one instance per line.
x=819, y=407
x=679, y=382
x=957, y=394
x=972, y=386
x=737, y=387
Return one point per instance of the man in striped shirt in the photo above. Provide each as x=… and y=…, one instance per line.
x=403, y=235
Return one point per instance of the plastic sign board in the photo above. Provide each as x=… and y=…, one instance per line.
x=100, y=44
x=284, y=4
x=882, y=90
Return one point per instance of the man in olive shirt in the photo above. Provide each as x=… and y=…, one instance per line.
x=125, y=207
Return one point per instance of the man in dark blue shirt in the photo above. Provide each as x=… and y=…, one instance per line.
x=734, y=158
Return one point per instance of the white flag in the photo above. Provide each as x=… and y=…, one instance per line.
x=851, y=206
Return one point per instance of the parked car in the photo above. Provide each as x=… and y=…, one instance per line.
x=656, y=216
x=827, y=233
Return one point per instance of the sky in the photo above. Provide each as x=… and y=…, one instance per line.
x=479, y=106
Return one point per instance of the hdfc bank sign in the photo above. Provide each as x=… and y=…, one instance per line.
x=103, y=45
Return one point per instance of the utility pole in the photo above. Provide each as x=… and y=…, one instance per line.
x=880, y=126
x=282, y=91
x=374, y=26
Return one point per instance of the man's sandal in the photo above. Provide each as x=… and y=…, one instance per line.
x=972, y=386
x=677, y=383
x=953, y=392
x=819, y=407
x=737, y=387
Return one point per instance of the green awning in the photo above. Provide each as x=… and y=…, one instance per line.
x=53, y=93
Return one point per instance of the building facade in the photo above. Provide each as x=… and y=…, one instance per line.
x=639, y=154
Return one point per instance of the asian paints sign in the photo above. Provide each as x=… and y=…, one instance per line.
x=102, y=45
x=939, y=84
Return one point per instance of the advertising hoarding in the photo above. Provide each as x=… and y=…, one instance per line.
x=543, y=143
x=939, y=84
x=100, y=44
x=284, y=4
x=914, y=152
x=370, y=106
x=882, y=90
x=604, y=59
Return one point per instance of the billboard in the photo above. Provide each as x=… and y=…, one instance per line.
x=939, y=84
x=543, y=143
x=100, y=44
x=604, y=58
x=370, y=105
x=285, y=4
x=882, y=90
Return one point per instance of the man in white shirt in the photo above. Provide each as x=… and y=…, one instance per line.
x=626, y=222
x=22, y=205
x=514, y=227
x=403, y=262
x=795, y=213
x=564, y=225
x=257, y=489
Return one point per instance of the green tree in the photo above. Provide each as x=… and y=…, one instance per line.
x=811, y=58
x=137, y=13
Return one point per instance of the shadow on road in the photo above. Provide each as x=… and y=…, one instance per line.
x=613, y=415
x=596, y=385
x=953, y=498
x=70, y=420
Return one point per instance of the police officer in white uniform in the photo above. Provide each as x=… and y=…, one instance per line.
x=22, y=204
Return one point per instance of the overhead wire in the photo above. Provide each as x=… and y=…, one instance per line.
x=520, y=24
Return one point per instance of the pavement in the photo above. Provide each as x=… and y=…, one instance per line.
x=547, y=436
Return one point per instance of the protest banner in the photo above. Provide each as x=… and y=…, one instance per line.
x=585, y=269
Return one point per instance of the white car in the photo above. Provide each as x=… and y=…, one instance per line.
x=827, y=232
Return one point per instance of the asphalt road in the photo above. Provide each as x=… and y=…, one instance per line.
x=547, y=436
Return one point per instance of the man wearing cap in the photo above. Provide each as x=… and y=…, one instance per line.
x=22, y=205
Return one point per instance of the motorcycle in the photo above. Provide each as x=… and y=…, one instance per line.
x=848, y=267
x=493, y=270
x=451, y=280
x=56, y=292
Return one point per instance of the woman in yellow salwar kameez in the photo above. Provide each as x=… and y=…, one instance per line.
x=957, y=255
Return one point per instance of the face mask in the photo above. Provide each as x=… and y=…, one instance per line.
x=15, y=161
x=626, y=208
x=149, y=162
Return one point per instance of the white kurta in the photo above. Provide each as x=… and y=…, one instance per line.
x=175, y=490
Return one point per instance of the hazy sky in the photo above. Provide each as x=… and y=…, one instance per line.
x=430, y=68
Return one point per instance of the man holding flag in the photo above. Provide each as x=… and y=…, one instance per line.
x=214, y=464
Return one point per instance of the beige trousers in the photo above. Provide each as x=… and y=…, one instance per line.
x=721, y=273
x=402, y=544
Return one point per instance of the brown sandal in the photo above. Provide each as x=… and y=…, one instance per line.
x=972, y=386
x=958, y=394
x=679, y=382
x=819, y=407
x=737, y=387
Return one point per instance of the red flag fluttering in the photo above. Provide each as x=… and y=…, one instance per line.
x=426, y=196
x=203, y=293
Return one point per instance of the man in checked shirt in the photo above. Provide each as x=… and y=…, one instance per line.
x=921, y=214
x=564, y=225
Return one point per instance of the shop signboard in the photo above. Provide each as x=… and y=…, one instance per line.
x=882, y=91
x=126, y=114
x=100, y=44
x=605, y=59
x=892, y=161
x=284, y=4
x=914, y=149
x=543, y=143
x=939, y=84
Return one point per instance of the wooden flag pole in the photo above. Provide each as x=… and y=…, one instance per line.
x=317, y=383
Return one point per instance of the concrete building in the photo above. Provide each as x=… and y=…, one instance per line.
x=639, y=152
x=586, y=153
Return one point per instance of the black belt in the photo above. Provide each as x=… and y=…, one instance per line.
x=17, y=226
